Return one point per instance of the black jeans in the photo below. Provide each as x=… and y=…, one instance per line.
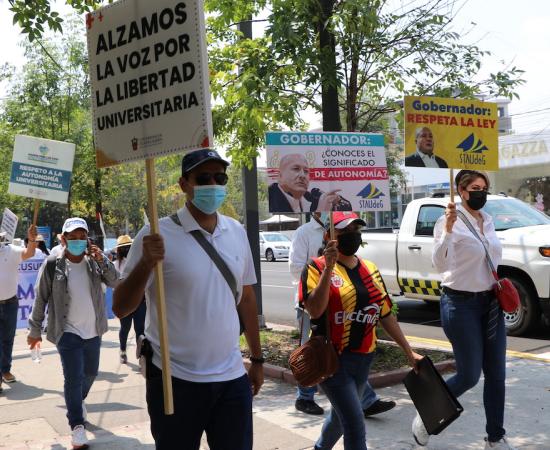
x=221, y=409
x=8, y=325
x=138, y=317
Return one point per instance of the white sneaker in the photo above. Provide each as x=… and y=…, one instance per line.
x=503, y=444
x=420, y=434
x=84, y=411
x=79, y=439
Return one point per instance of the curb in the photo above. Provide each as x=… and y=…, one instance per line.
x=377, y=379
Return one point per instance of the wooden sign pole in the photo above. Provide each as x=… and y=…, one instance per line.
x=36, y=208
x=331, y=222
x=159, y=283
x=452, y=184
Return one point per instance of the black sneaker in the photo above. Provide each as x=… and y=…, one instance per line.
x=309, y=407
x=378, y=407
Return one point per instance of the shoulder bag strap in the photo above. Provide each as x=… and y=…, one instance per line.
x=214, y=255
x=475, y=233
x=320, y=266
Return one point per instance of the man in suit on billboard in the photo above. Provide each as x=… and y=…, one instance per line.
x=424, y=155
x=290, y=192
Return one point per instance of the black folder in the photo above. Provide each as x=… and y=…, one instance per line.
x=435, y=403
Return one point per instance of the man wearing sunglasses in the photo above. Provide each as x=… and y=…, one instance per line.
x=212, y=391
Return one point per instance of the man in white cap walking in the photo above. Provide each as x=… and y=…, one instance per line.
x=70, y=284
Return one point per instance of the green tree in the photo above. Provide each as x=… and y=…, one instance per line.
x=50, y=99
x=362, y=56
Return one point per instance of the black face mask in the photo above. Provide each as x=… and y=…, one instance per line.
x=349, y=243
x=123, y=252
x=477, y=199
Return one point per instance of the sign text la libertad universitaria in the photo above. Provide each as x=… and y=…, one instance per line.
x=41, y=168
x=149, y=76
x=308, y=165
x=464, y=133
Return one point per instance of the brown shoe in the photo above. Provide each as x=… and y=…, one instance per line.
x=9, y=377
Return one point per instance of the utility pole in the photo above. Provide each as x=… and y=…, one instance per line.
x=250, y=198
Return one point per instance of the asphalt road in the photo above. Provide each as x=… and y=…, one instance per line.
x=416, y=317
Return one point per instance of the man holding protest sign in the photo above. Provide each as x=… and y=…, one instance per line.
x=10, y=257
x=204, y=301
x=71, y=286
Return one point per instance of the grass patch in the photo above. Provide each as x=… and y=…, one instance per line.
x=277, y=346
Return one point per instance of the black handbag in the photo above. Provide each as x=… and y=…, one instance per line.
x=432, y=398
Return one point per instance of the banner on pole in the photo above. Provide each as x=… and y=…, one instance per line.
x=453, y=133
x=28, y=273
x=149, y=77
x=41, y=168
x=326, y=171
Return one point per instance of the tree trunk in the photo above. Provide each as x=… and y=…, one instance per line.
x=329, y=93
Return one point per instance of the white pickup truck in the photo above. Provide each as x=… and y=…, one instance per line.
x=404, y=256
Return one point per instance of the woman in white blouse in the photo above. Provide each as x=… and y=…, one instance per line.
x=470, y=314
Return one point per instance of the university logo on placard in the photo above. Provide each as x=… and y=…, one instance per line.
x=370, y=191
x=472, y=145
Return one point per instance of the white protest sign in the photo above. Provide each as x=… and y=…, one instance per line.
x=41, y=168
x=327, y=171
x=9, y=224
x=149, y=76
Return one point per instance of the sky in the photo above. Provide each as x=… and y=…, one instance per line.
x=515, y=32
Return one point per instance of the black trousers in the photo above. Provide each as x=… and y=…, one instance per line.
x=223, y=410
x=138, y=317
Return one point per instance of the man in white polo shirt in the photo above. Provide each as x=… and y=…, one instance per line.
x=212, y=391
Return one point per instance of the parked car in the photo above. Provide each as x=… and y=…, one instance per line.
x=404, y=256
x=274, y=245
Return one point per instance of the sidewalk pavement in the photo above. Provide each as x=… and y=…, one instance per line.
x=32, y=410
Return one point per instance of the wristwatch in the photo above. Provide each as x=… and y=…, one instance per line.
x=259, y=360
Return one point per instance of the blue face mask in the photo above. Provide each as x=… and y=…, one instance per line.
x=324, y=217
x=76, y=246
x=209, y=198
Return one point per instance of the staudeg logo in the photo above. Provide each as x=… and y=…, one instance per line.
x=43, y=149
x=472, y=145
x=370, y=191
x=134, y=144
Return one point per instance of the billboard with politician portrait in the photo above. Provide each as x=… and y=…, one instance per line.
x=448, y=132
x=309, y=171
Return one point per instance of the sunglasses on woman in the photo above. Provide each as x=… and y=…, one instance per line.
x=206, y=178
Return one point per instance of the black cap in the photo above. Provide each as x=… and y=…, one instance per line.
x=196, y=158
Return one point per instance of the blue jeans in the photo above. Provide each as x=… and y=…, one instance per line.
x=464, y=320
x=369, y=396
x=302, y=392
x=80, y=361
x=8, y=325
x=221, y=409
x=344, y=390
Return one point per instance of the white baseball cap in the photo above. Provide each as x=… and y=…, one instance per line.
x=73, y=223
